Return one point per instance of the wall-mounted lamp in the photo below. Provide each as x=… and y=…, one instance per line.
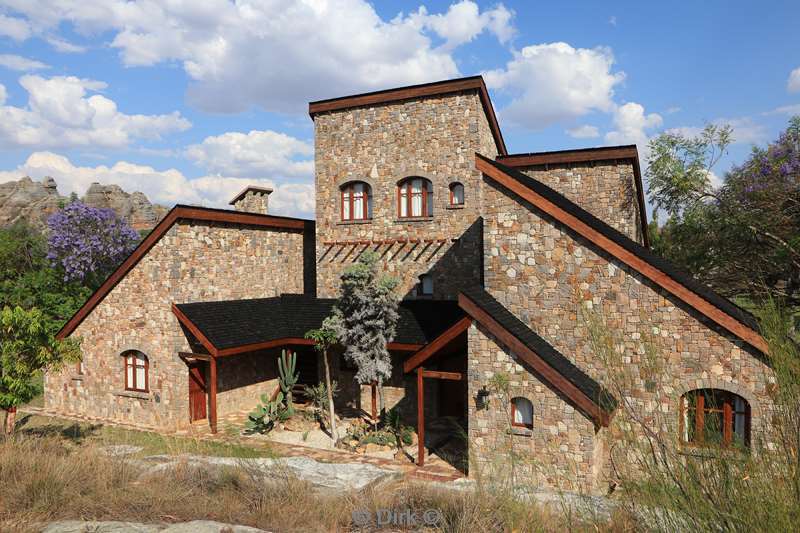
x=482, y=398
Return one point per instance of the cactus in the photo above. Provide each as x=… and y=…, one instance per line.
x=264, y=417
x=288, y=378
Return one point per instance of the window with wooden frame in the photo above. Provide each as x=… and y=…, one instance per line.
x=414, y=198
x=714, y=417
x=137, y=370
x=356, y=201
x=521, y=413
x=456, y=194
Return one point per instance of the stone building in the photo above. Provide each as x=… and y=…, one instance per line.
x=509, y=265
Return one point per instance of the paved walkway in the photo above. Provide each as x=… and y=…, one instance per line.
x=435, y=468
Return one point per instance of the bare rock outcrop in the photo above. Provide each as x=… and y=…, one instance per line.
x=34, y=201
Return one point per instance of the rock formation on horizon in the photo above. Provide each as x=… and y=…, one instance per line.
x=34, y=201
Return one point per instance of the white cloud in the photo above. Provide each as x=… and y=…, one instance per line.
x=793, y=84
x=584, y=131
x=15, y=28
x=612, y=20
x=792, y=109
x=64, y=46
x=276, y=54
x=553, y=82
x=166, y=187
x=746, y=130
x=61, y=112
x=464, y=21
x=15, y=62
x=631, y=125
x=257, y=154
x=3, y=94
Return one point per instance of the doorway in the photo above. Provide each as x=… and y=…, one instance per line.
x=197, y=391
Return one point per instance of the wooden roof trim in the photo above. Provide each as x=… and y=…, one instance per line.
x=179, y=212
x=547, y=372
x=430, y=349
x=417, y=91
x=587, y=155
x=183, y=319
x=634, y=261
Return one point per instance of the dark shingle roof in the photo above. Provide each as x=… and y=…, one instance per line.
x=234, y=323
x=541, y=347
x=630, y=245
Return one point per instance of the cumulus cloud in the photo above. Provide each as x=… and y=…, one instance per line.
x=553, y=82
x=584, y=131
x=64, y=46
x=62, y=112
x=16, y=28
x=793, y=84
x=257, y=153
x=166, y=187
x=276, y=54
x=792, y=109
x=631, y=124
x=15, y=62
x=464, y=21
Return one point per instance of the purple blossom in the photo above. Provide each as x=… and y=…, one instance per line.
x=87, y=242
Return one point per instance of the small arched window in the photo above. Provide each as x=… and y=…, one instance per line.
x=714, y=417
x=137, y=370
x=456, y=194
x=521, y=412
x=415, y=198
x=356, y=201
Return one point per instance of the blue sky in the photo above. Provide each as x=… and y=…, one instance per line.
x=188, y=101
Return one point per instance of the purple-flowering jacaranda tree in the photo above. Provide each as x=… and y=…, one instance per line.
x=88, y=243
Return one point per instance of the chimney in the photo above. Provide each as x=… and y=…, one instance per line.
x=252, y=199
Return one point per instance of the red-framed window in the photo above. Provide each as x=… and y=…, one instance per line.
x=521, y=413
x=414, y=198
x=137, y=370
x=714, y=417
x=456, y=193
x=356, y=202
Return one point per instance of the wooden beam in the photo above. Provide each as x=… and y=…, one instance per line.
x=435, y=374
x=569, y=156
x=632, y=260
x=265, y=345
x=547, y=372
x=195, y=356
x=212, y=395
x=430, y=349
x=183, y=319
x=420, y=417
x=403, y=347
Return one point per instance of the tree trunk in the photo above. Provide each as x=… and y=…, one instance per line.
x=382, y=404
x=332, y=415
x=373, y=386
x=10, y=420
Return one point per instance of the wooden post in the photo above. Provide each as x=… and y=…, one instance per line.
x=212, y=395
x=420, y=418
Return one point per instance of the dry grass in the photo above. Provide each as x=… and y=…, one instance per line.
x=45, y=478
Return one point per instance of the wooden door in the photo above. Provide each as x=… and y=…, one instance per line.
x=197, y=391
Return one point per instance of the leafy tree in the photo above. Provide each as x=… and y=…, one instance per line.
x=88, y=243
x=742, y=238
x=27, y=280
x=324, y=338
x=366, y=319
x=27, y=348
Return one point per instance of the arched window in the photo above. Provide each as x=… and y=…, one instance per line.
x=356, y=201
x=521, y=412
x=414, y=198
x=714, y=417
x=425, y=285
x=456, y=194
x=137, y=370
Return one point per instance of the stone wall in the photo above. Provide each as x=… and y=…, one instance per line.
x=557, y=453
x=192, y=262
x=557, y=283
x=606, y=189
x=433, y=137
